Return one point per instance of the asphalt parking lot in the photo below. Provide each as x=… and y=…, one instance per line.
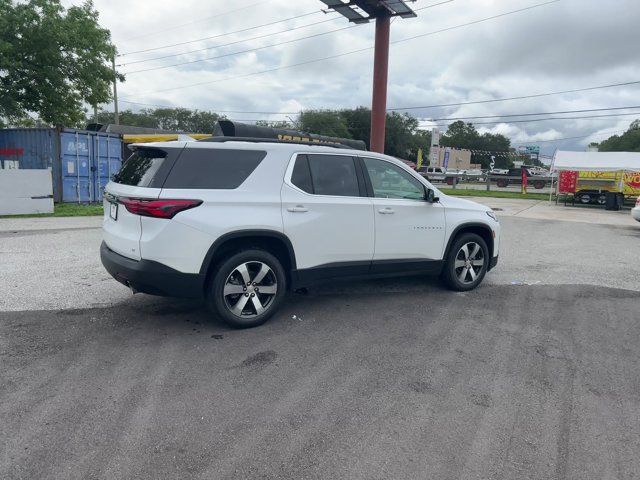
x=534, y=375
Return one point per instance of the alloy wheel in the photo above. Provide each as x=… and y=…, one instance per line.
x=469, y=262
x=250, y=289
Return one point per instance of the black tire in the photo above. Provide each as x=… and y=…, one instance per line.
x=451, y=274
x=502, y=183
x=228, y=274
x=584, y=198
x=538, y=184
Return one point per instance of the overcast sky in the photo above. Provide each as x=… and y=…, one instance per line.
x=569, y=44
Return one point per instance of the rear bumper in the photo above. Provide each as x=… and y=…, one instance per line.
x=151, y=277
x=635, y=213
x=493, y=262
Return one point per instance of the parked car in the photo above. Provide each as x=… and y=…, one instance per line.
x=514, y=177
x=635, y=211
x=434, y=174
x=239, y=222
x=475, y=175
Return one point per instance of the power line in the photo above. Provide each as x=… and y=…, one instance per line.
x=451, y=104
x=243, y=51
x=166, y=29
x=356, y=51
x=587, y=117
x=230, y=43
x=248, y=40
x=535, y=114
x=216, y=111
x=521, y=97
x=221, y=34
x=574, y=138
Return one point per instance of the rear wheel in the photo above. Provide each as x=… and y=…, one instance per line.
x=247, y=288
x=502, y=183
x=584, y=198
x=466, y=263
x=538, y=184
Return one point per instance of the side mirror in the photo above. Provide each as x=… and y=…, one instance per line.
x=430, y=196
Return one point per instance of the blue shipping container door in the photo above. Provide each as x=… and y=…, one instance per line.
x=75, y=149
x=89, y=159
x=107, y=151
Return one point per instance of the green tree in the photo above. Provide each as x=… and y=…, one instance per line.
x=176, y=119
x=358, y=122
x=629, y=141
x=52, y=60
x=464, y=135
x=275, y=124
x=323, y=122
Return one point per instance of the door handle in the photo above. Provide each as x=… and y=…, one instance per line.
x=386, y=211
x=298, y=208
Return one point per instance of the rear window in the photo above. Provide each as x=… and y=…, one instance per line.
x=141, y=167
x=210, y=168
x=333, y=175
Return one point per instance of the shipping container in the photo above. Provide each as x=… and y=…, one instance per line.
x=81, y=161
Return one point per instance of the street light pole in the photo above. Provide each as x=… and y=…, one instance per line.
x=380, y=74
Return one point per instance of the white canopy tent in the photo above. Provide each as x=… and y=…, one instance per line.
x=596, y=161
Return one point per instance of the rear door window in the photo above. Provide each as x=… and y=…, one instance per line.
x=213, y=168
x=334, y=175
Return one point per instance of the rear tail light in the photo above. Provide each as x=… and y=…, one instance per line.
x=164, y=208
x=638, y=202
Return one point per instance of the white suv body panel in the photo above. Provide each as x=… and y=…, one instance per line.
x=326, y=229
x=333, y=230
x=255, y=205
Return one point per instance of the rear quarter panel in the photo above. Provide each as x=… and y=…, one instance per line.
x=254, y=205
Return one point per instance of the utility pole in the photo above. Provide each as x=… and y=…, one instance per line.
x=362, y=11
x=380, y=75
x=115, y=91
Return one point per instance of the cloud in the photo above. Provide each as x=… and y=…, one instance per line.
x=565, y=45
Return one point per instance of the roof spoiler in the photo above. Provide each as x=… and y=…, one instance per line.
x=228, y=128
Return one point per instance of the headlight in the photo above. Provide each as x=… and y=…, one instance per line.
x=492, y=215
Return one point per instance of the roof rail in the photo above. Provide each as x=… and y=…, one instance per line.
x=272, y=140
x=231, y=129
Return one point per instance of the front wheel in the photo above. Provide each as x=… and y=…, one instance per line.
x=247, y=288
x=466, y=263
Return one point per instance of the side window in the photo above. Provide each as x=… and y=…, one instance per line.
x=390, y=181
x=301, y=175
x=333, y=175
x=213, y=168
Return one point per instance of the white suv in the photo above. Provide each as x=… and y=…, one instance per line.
x=241, y=221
